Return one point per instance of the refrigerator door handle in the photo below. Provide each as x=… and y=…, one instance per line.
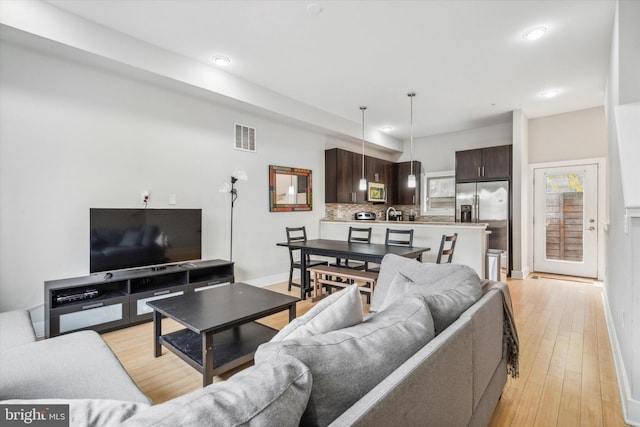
x=476, y=208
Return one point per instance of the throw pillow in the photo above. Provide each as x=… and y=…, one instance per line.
x=390, y=266
x=273, y=393
x=400, y=285
x=346, y=364
x=337, y=311
x=448, y=289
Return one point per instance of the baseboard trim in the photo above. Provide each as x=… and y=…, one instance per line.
x=520, y=275
x=630, y=406
x=270, y=280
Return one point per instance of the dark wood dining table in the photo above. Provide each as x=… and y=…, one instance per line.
x=367, y=252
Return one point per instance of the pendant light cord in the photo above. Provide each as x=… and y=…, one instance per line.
x=411, y=95
x=362, y=109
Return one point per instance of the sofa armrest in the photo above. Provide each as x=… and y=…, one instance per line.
x=15, y=329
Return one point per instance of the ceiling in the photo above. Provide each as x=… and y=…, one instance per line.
x=466, y=60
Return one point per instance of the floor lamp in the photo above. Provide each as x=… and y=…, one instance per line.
x=229, y=187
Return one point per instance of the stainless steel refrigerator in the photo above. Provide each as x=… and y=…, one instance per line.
x=488, y=202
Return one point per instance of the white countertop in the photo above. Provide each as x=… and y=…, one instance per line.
x=425, y=223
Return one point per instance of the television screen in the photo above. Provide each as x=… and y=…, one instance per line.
x=128, y=238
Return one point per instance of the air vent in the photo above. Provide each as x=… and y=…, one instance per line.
x=245, y=138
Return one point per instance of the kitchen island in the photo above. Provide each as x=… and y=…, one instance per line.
x=471, y=247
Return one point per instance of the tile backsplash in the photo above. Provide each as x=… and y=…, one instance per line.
x=347, y=211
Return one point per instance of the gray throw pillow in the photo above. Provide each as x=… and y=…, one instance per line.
x=347, y=363
x=339, y=310
x=448, y=289
x=400, y=286
x=273, y=393
x=390, y=266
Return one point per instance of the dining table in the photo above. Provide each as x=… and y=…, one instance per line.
x=367, y=252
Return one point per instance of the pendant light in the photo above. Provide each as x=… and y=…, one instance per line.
x=411, y=182
x=363, y=181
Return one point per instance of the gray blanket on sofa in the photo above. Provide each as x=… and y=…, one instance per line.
x=510, y=342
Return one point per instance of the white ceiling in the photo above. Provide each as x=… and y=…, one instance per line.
x=466, y=60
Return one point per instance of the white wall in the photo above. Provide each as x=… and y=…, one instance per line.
x=519, y=182
x=570, y=136
x=437, y=152
x=622, y=276
x=74, y=137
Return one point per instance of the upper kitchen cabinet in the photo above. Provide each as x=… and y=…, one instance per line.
x=378, y=170
x=343, y=170
x=484, y=164
x=402, y=194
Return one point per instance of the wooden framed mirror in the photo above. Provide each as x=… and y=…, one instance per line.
x=289, y=189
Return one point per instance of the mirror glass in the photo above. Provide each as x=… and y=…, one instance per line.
x=289, y=189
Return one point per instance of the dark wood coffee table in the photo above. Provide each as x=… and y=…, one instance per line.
x=220, y=330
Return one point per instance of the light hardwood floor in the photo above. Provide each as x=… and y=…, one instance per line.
x=566, y=366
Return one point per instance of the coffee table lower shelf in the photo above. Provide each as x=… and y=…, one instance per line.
x=231, y=348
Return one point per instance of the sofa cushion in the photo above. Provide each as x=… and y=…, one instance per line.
x=15, y=329
x=448, y=289
x=79, y=365
x=89, y=412
x=273, y=393
x=349, y=362
x=339, y=310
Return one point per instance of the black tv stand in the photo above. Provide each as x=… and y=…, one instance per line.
x=114, y=300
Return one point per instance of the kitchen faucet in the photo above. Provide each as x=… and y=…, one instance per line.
x=389, y=209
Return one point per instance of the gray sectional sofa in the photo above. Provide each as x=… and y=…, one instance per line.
x=433, y=354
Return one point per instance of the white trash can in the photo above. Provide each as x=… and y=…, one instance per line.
x=496, y=265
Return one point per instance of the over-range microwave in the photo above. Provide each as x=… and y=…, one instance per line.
x=376, y=192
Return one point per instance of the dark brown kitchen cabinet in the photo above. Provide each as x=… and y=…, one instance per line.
x=484, y=164
x=378, y=170
x=402, y=194
x=343, y=170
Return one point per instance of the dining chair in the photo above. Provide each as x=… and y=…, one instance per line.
x=356, y=235
x=450, y=243
x=398, y=237
x=299, y=234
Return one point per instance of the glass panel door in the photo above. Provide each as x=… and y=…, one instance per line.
x=565, y=220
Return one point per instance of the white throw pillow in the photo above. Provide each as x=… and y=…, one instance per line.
x=400, y=285
x=337, y=311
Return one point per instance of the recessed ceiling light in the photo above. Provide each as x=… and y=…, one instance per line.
x=387, y=128
x=314, y=9
x=549, y=94
x=221, y=60
x=534, y=33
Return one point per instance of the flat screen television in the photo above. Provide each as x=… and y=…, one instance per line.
x=131, y=238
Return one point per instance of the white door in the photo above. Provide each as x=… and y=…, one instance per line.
x=566, y=221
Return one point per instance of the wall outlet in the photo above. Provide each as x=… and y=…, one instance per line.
x=144, y=197
x=172, y=199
